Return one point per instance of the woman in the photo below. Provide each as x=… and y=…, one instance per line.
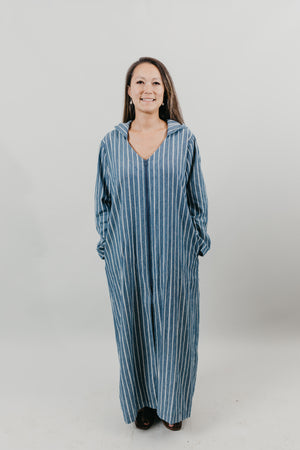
x=151, y=215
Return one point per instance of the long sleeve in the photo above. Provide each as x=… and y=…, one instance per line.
x=197, y=196
x=102, y=199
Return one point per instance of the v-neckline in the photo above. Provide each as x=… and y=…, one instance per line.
x=152, y=154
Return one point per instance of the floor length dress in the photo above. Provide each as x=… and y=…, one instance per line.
x=151, y=216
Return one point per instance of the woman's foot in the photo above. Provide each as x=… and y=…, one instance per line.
x=174, y=427
x=145, y=418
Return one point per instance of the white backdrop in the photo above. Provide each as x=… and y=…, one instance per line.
x=235, y=67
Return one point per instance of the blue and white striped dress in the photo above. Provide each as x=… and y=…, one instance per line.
x=151, y=215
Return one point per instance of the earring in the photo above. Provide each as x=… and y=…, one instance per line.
x=130, y=101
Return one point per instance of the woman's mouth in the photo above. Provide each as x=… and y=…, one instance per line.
x=147, y=99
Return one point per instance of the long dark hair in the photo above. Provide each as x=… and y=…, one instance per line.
x=170, y=109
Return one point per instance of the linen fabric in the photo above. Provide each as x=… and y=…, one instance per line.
x=151, y=216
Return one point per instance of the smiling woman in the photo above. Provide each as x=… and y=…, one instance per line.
x=147, y=94
x=151, y=215
x=146, y=87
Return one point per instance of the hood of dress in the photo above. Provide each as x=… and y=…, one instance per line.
x=173, y=126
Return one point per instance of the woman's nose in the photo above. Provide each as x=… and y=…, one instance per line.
x=148, y=87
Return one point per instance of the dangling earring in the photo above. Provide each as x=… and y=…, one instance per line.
x=130, y=101
x=162, y=103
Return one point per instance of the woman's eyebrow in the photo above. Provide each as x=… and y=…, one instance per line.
x=154, y=78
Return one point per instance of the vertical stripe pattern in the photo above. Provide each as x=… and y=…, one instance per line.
x=151, y=216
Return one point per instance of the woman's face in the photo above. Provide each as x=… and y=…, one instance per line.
x=146, y=88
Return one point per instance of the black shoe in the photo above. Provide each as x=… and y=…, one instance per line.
x=145, y=418
x=175, y=427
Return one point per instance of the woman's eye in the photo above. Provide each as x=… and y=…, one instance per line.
x=140, y=81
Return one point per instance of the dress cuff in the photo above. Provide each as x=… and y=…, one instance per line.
x=101, y=248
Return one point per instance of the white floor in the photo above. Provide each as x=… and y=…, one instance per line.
x=63, y=394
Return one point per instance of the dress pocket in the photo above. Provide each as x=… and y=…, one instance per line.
x=196, y=238
x=198, y=244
